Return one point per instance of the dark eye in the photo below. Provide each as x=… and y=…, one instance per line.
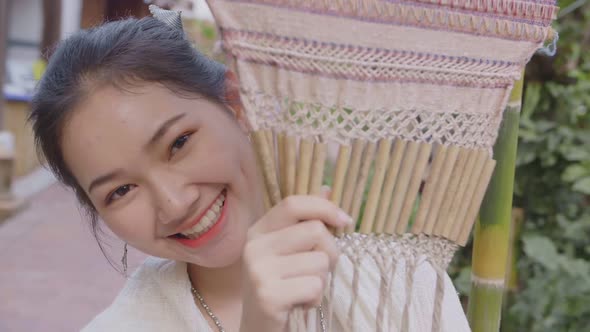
x=119, y=192
x=179, y=143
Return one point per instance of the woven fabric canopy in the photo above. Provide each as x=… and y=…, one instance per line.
x=411, y=95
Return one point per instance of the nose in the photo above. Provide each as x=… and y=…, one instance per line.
x=173, y=198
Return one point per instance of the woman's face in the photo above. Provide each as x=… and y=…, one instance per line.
x=173, y=177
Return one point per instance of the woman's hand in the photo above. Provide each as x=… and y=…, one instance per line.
x=287, y=259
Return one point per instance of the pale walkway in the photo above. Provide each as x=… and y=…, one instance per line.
x=52, y=275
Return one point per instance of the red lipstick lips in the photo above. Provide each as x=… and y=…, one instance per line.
x=209, y=234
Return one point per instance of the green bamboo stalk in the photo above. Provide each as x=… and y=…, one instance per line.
x=511, y=287
x=492, y=231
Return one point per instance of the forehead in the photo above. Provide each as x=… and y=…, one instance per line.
x=113, y=107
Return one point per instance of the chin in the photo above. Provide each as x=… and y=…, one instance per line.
x=229, y=257
x=226, y=252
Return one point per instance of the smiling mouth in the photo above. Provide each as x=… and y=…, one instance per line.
x=209, y=219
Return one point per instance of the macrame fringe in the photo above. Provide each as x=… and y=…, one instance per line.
x=390, y=298
x=410, y=268
x=297, y=322
x=355, y=291
x=383, y=290
x=438, y=299
x=329, y=307
x=384, y=266
x=386, y=252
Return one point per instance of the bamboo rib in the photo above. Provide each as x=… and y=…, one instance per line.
x=339, y=174
x=270, y=138
x=376, y=184
x=273, y=154
x=451, y=193
x=459, y=197
x=290, y=165
x=429, y=189
x=271, y=141
x=317, y=168
x=401, y=187
x=362, y=182
x=267, y=163
x=414, y=187
x=352, y=176
x=303, y=166
x=475, y=204
x=482, y=156
x=390, y=180
x=441, y=188
x=267, y=204
x=281, y=147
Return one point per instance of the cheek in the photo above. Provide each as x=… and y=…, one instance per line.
x=216, y=157
x=133, y=223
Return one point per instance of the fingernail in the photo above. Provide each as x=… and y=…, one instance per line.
x=325, y=192
x=345, y=217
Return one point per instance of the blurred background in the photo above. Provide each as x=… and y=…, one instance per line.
x=53, y=277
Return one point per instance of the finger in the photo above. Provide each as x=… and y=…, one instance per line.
x=302, y=264
x=313, y=304
x=325, y=192
x=294, y=209
x=305, y=236
x=305, y=291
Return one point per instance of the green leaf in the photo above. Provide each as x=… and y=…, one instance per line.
x=576, y=267
x=529, y=135
x=532, y=96
x=525, y=155
x=209, y=32
x=545, y=126
x=582, y=185
x=575, y=153
x=463, y=281
x=574, y=172
x=542, y=250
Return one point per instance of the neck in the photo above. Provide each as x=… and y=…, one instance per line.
x=222, y=282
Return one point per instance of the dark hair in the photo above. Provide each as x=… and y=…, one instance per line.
x=119, y=53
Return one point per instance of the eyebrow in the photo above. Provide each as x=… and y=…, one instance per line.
x=104, y=179
x=163, y=129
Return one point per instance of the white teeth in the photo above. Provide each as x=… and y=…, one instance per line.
x=208, y=220
x=205, y=219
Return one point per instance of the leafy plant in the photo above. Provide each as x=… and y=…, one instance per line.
x=553, y=187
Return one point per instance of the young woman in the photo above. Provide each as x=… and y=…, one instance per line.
x=150, y=136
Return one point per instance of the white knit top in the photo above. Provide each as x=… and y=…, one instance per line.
x=157, y=297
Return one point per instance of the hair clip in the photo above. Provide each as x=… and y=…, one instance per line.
x=171, y=18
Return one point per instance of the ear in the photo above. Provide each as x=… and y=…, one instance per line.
x=233, y=102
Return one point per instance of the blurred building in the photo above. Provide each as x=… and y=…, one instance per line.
x=28, y=37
